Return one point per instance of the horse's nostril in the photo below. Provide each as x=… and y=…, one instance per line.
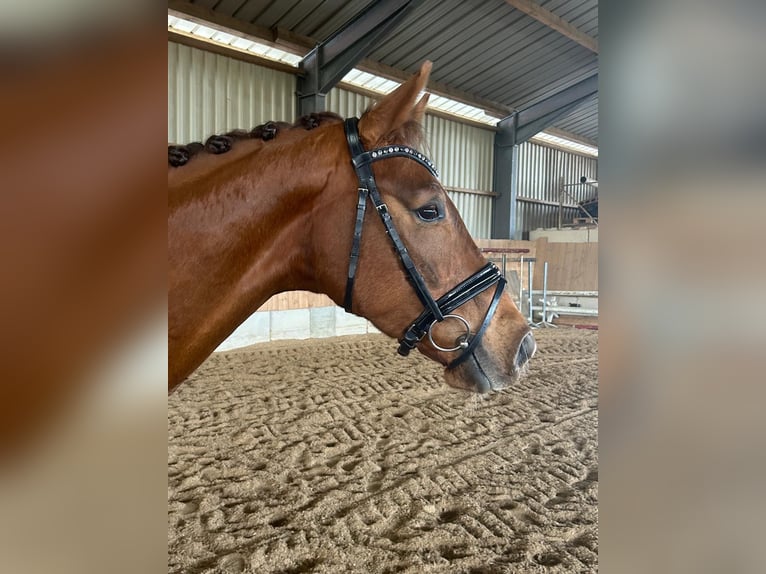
x=527, y=348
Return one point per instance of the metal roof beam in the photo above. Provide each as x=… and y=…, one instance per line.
x=555, y=22
x=523, y=124
x=325, y=65
x=516, y=129
x=285, y=39
x=571, y=136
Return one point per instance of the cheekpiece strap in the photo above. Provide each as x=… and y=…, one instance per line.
x=362, y=161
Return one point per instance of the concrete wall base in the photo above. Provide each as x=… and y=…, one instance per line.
x=314, y=323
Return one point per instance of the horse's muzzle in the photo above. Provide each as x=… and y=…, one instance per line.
x=527, y=348
x=483, y=373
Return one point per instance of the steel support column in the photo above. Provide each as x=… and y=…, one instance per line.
x=332, y=59
x=505, y=179
x=515, y=130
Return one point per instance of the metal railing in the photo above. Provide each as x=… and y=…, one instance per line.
x=525, y=297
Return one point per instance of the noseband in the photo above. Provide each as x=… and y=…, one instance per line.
x=435, y=310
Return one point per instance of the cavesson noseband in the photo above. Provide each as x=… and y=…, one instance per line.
x=435, y=310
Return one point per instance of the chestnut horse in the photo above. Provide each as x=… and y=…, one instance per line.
x=284, y=214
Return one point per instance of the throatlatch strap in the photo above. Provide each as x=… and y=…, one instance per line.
x=361, y=207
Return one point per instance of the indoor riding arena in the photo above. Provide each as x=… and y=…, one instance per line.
x=305, y=443
x=336, y=455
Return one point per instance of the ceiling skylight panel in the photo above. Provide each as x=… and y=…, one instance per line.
x=203, y=32
x=183, y=25
x=242, y=43
x=222, y=37
x=389, y=86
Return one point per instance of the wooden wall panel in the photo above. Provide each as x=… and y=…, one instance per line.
x=296, y=300
x=571, y=266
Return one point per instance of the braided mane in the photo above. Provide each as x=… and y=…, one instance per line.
x=179, y=155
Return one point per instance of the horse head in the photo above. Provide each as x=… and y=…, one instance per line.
x=280, y=208
x=459, y=316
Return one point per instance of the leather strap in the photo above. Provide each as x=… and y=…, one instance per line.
x=394, y=151
x=409, y=265
x=364, y=174
x=361, y=208
x=480, y=333
x=367, y=183
x=459, y=295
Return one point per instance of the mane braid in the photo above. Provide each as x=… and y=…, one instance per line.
x=179, y=155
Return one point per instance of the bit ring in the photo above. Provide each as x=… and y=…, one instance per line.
x=462, y=345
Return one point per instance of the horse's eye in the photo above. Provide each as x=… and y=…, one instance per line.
x=429, y=212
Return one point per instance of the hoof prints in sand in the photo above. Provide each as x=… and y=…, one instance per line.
x=337, y=455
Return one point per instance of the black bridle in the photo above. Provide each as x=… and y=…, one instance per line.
x=435, y=310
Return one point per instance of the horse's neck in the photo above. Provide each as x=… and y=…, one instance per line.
x=235, y=237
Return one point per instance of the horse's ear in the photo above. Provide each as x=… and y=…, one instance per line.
x=393, y=110
x=420, y=109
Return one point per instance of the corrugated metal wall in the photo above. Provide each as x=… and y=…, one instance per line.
x=464, y=155
x=542, y=170
x=347, y=104
x=210, y=93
